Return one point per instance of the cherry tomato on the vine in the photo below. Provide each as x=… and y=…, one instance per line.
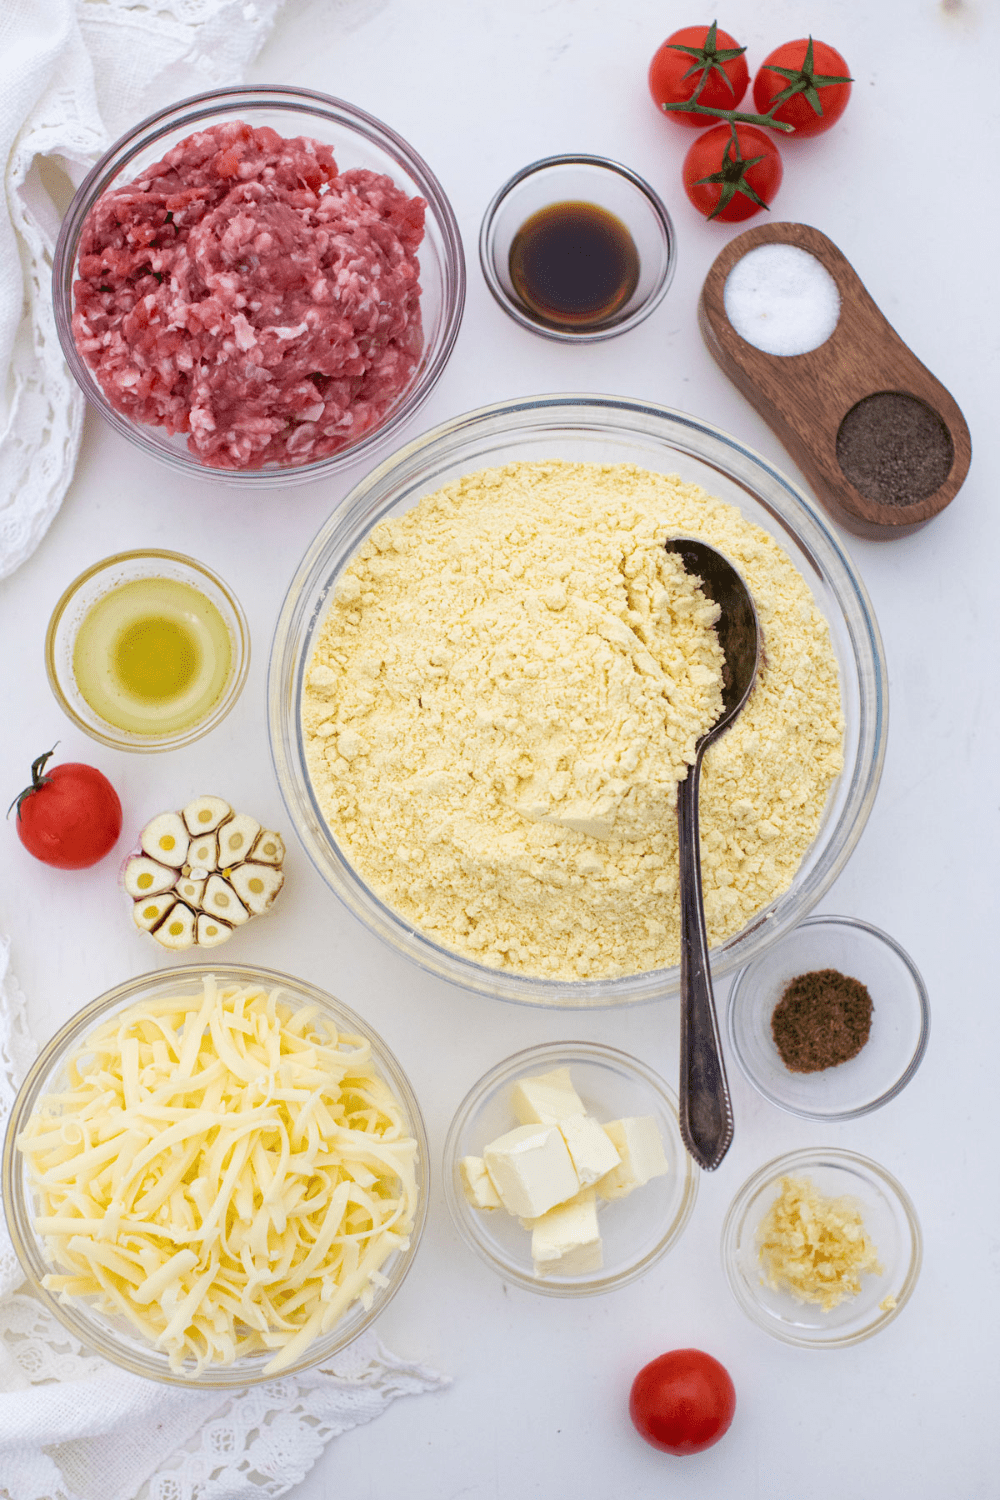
x=698, y=62
x=682, y=1402
x=70, y=816
x=811, y=81
x=732, y=172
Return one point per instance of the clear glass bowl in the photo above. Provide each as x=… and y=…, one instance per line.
x=889, y=1218
x=359, y=141
x=587, y=179
x=594, y=429
x=84, y=592
x=637, y=1230
x=900, y=1019
x=114, y=1338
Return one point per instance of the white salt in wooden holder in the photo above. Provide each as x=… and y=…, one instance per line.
x=804, y=398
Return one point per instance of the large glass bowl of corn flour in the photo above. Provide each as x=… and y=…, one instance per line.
x=569, y=430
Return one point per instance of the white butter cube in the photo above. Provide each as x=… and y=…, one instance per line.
x=566, y=1241
x=476, y=1184
x=531, y=1169
x=546, y=1099
x=637, y=1140
x=590, y=1147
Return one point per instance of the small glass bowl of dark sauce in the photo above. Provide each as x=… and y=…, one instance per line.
x=577, y=248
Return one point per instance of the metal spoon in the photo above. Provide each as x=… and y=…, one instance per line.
x=706, y=1111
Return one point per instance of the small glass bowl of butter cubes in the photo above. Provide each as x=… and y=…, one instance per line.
x=565, y=1171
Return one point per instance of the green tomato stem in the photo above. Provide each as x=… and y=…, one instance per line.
x=38, y=780
x=734, y=116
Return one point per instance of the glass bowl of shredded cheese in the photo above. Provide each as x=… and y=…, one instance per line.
x=216, y=1175
x=481, y=677
x=822, y=1248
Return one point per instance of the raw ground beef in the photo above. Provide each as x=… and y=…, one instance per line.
x=245, y=292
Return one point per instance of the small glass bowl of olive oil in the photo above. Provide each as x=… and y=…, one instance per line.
x=577, y=248
x=147, y=650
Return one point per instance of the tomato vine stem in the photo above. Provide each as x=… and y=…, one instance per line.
x=734, y=116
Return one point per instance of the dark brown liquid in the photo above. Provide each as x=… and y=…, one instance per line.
x=574, y=265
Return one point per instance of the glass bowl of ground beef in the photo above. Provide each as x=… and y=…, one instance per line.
x=259, y=284
x=438, y=802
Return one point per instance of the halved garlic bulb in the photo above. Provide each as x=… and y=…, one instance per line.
x=202, y=872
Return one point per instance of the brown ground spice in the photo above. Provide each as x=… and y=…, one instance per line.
x=823, y=1018
x=894, y=448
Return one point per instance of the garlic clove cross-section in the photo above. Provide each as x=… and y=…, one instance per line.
x=203, y=853
x=166, y=840
x=146, y=877
x=236, y=839
x=201, y=873
x=269, y=849
x=210, y=932
x=177, y=928
x=256, y=885
x=191, y=891
x=220, y=900
x=149, y=912
x=204, y=815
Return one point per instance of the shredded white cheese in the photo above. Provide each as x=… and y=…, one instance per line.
x=224, y=1171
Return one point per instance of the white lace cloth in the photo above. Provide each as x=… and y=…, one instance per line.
x=72, y=1427
x=74, y=75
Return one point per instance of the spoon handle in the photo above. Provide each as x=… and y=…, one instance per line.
x=706, y=1111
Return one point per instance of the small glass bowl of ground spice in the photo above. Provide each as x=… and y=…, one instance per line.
x=822, y=1248
x=832, y=1021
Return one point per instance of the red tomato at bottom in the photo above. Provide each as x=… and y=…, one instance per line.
x=682, y=1402
x=742, y=177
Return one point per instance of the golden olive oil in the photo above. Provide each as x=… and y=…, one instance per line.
x=152, y=656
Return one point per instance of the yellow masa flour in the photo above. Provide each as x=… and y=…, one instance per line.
x=508, y=686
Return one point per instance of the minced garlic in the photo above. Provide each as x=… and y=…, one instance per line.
x=814, y=1247
x=509, y=685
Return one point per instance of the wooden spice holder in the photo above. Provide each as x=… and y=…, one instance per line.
x=804, y=398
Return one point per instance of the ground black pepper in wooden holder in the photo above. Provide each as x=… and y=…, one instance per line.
x=883, y=444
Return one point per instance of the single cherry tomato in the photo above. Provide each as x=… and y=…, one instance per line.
x=70, y=816
x=811, y=82
x=682, y=1402
x=700, y=63
x=732, y=172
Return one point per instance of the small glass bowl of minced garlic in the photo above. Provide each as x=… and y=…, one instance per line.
x=822, y=1248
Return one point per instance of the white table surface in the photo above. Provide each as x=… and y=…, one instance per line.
x=905, y=186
